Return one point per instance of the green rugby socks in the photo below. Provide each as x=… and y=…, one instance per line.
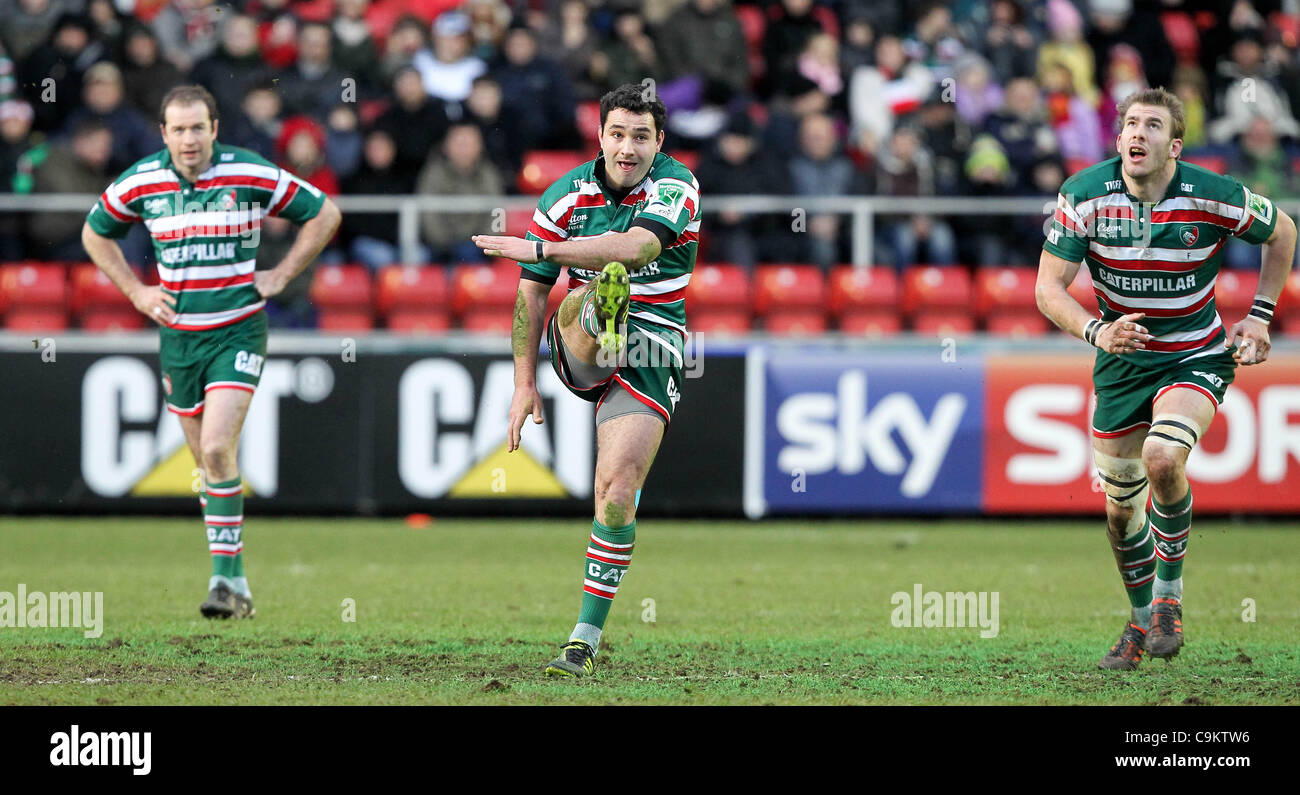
x=1172, y=526
x=609, y=553
x=223, y=516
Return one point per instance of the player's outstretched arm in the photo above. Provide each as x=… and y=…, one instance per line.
x=525, y=336
x=634, y=248
x=312, y=237
x=1275, y=267
x=152, y=302
x=1120, y=336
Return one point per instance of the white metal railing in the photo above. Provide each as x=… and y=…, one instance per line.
x=861, y=209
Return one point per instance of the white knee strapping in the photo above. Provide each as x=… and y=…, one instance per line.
x=1174, y=430
x=1125, y=482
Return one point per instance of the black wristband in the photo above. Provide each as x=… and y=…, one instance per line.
x=540, y=251
x=1090, y=331
x=1263, y=309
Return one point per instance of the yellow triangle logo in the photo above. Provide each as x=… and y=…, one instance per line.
x=173, y=477
x=505, y=474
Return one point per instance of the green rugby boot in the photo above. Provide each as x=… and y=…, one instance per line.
x=576, y=659
x=613, y=295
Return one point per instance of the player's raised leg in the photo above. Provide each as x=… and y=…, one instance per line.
x=626, y=448
x=1123, y=478
x=1180, y=416
x=592, y=320
x=223, y=418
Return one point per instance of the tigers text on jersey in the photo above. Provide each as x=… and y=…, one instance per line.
x=1162, y=258
x=578, y=207
x=205, y=234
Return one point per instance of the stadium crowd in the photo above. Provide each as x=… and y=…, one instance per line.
x=849, y=97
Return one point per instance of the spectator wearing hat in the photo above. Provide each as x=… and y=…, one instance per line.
x=235, y=67
x=738, y=165
x=415, y=121
x=535, y=82
x=449, y=69
x=301, y=150
x=978, y=92
x=146, y=75
x=1065, y=45
x=103, y=100
x=70, y=53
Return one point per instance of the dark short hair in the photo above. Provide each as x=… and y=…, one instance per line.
x=635, y=98
x=187, y=95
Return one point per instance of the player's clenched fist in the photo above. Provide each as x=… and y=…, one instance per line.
x=1255, y=343
x=1124, y=335
x=524, y=402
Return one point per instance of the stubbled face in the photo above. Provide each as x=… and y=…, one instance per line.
x=629, y=143
x=1145, y=142
x=189, y=133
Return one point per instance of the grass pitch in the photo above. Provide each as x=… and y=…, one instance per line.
x=468, y=611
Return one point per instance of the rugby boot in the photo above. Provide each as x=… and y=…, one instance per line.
x=1127, y=651
x=1166, y=637
x=613, y=296
x=576, y=659
x=225, y=603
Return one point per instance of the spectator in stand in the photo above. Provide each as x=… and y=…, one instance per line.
x=1007, y=42
x=343, y=140
x=784, y=40
x=819, y=66
x=1120, y=22
x=978, y=94
x=1066, y=46
x=416, y=122
x=737, y=165
x=102, y=98
x=1190, y=87
x=488, y=22
x=497, y=124
x=1078, y=128
x=70, y=53
x=628, y=56
x=947, y=137
x=235, y=67
x=1265, y=168
x=277, y=32
x=146, y=75
x=859, y=45
x=1286, y=59
x=460, y=169
x=540, y=85
x=879, y=94
x=1022, y=130
x=312, y=85
x=189, y=31
x=301, y=149
x=355, y=52
x=703, y=39
x=935, y=41
x=371, y=238
x=1241, y=102
x=820, y=169
x=905, y=168
x=987, y=239
x=1123, y=76
x=108, y=26
x=28, y=24
x=257, y=124
x=449, y=70
x=16, y=139
x=404, y=43
x=572, y=43
x=79, y=165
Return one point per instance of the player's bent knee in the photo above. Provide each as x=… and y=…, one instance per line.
x=1164, y=465
x=1125, y=483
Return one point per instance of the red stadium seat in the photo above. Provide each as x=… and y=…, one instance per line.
x=945, y=323
x=586, y=117
x=1234, y=294
x=542, y=167
x=344, y=319
x=882, y=322
x=795, y=322
x=753, y=23
x=412, y=287
x=342, y=287
x=488, y=321
x=720, y=321
x=999, y=289
x=110, y=318
x=34, y=285
x=789, y=287
x=854, y=288
x=1183, y=37
x=1216, y=163
x=931, y=287
x=1018, y=323
x=36, y=319
x=689, y=159
x=412, y=320
x=719, y=287
x=489, y=287
x=91, y=289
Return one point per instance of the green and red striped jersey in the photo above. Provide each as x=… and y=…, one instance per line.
x=1162, y=258
x=205, y=233
x=578, y=207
